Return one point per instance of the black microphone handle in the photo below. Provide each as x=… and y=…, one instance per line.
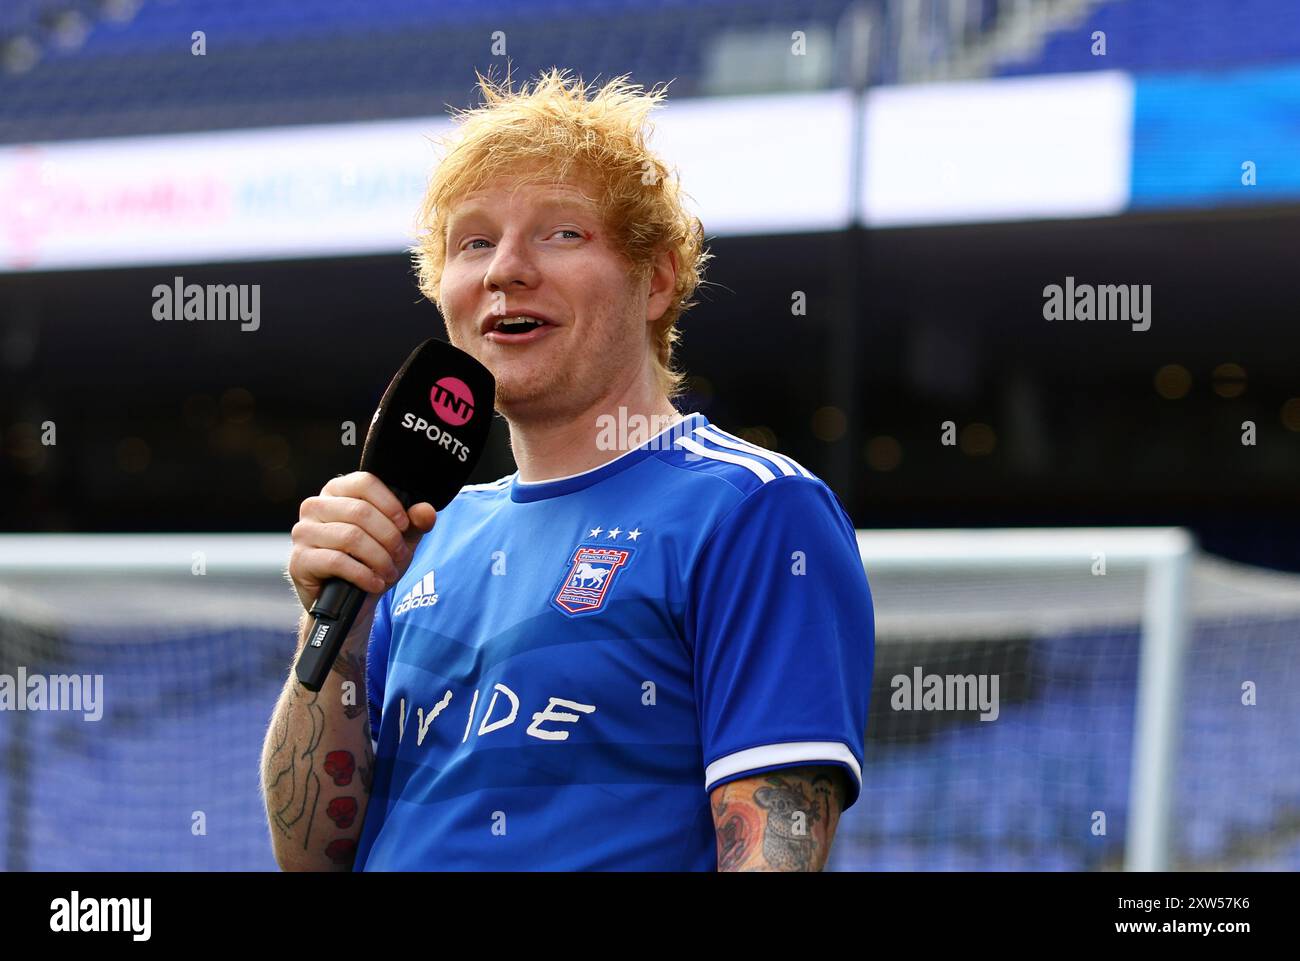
x=333, y=614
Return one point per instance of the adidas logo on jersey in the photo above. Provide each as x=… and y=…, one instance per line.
x=421, y=595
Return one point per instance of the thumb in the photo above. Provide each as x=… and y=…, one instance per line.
x=423, y=517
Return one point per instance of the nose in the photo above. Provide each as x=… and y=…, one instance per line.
x=511, y=265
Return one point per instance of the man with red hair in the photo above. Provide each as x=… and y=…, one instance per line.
x=648, y=648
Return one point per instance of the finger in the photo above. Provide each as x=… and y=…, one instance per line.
x=361, y=513
x=357, y=543
x=325, y=563
x=423, y=517
x=368, y=487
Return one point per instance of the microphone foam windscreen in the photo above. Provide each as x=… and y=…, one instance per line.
x=432, y=424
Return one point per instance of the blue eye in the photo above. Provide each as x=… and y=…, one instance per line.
x=566, y=230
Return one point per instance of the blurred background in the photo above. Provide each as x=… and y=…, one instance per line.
x=888, y=187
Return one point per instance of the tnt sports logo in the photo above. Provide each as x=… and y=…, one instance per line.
x=452, y=401
x=591, y=572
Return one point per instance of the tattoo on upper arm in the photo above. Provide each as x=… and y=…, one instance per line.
x=738, y=828
x=783, y=821
x=787, y=837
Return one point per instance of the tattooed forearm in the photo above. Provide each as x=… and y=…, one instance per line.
x=352, y=669
x=783, y=821
x=290, y=774
x=342, y=851
x=318, y=768
x=343, y=812
x=367, y=770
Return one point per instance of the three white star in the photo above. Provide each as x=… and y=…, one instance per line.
x=613, y=532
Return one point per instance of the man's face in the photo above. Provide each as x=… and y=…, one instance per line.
x=542, y=249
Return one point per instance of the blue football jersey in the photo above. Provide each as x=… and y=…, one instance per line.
x=569, y=667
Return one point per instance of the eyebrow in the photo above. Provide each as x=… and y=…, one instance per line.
x=473, y=210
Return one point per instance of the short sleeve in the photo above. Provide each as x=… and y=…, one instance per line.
x=381, y=632
x=783, y=636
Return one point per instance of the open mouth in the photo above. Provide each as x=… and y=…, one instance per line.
x=517, y=330
x=517, y=325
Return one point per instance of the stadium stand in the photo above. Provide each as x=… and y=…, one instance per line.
x=346, y=61
x=1159, y=35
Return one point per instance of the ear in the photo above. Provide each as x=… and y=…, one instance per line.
x=663, y=280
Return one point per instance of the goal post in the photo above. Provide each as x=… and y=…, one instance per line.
x=1164, y=555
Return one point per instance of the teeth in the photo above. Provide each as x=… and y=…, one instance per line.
x=506, y=322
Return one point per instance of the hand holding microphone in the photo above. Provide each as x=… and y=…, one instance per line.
x=356, y=530
x=424, y=440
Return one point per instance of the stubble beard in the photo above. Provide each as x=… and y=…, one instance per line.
x=539, y=397
x=555, y=392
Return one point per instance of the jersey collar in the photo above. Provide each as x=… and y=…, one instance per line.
x=522, y=492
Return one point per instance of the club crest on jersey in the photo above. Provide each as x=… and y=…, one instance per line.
x=591, y=573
